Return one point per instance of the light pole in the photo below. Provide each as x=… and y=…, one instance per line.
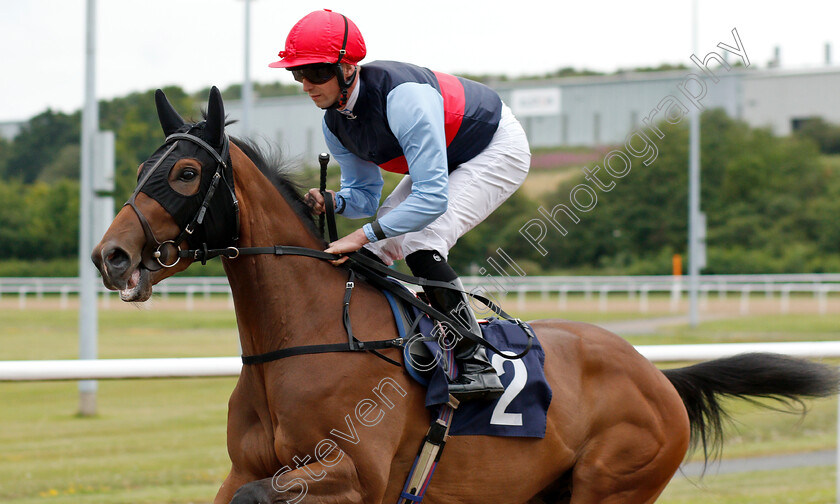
x=247, y=91
x=88, y=323
x=696, y=222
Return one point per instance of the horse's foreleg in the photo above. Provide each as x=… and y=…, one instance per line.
x=315, y=483
x=231, y=484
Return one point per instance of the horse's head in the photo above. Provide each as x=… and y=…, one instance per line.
x=184, y=199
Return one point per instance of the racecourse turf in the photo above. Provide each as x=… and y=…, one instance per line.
x=163, y=441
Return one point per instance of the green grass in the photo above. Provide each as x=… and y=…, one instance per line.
x=163, y=441
x=153, y=441
x=758, y=328
x=810, y=485
x=53, y=334
x=756, y=431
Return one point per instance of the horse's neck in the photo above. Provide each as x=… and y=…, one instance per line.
x=279, y=301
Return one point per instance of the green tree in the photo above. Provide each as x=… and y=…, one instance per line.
x=14, y=220
x=767, y=201
x=53, y=215
x=39, y=220
x=5, y=153
x=66, y=165
x=825, y=134
x=39, y=142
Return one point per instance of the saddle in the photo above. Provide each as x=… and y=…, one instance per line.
x=428, y=359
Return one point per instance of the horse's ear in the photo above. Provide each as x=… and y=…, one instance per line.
x=215, y=126
x=170, y=121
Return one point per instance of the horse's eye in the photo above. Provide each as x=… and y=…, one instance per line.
x=188, y=174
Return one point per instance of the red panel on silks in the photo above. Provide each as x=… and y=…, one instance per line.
x=453, y=113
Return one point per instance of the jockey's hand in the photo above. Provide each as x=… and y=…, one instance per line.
x=350, y=243
x=316, y=202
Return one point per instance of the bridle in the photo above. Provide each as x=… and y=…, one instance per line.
x=152, y=255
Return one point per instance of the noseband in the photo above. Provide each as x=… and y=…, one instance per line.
x=152, y=256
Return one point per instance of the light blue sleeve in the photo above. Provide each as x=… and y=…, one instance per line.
x=361, y=181
x=415, y=116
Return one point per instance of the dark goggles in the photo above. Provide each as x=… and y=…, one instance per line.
x=317, y=73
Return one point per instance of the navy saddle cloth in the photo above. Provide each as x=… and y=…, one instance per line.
x=522, y=409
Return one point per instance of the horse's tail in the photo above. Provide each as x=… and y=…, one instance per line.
x=746, y=376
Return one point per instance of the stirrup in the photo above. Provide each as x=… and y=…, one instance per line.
x=477, y=381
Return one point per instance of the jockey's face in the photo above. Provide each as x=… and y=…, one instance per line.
x=326, y=94
x=323, y=95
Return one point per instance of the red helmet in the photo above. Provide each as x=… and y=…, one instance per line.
x=320, y=37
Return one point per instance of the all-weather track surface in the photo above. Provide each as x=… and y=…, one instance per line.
x=649, y=325
x=754, y=464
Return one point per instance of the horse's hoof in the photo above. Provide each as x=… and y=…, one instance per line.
x=252, y=493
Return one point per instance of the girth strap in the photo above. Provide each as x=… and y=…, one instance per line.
x=319, y=349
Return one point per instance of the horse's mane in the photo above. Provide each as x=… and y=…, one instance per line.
x=275, y=168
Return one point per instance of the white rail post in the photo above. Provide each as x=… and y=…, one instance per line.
x=190, y=296
x=644, y=306
x=785, y=298
x=602, y=298
x=676, y=294
x=745, y=299
x=64, y=302
x=22, y=290
x=822, y=300
x=563, y=297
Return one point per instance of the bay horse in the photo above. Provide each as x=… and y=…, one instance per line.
x=345, y=427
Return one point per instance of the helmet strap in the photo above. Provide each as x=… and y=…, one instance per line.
x=343, y=84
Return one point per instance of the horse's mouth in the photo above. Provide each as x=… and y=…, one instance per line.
x=138, y=286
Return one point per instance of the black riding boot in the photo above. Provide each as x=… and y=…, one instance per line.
x=477, y=379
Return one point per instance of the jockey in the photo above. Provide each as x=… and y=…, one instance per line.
x=461, y=148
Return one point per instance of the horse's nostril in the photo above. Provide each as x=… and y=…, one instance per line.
x=117, y=260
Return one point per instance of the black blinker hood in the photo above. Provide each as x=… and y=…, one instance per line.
x=219, y=223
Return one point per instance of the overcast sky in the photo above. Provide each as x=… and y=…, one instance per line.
x=144, y=44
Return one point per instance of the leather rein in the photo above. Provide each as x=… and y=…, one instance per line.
x=374, y=272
